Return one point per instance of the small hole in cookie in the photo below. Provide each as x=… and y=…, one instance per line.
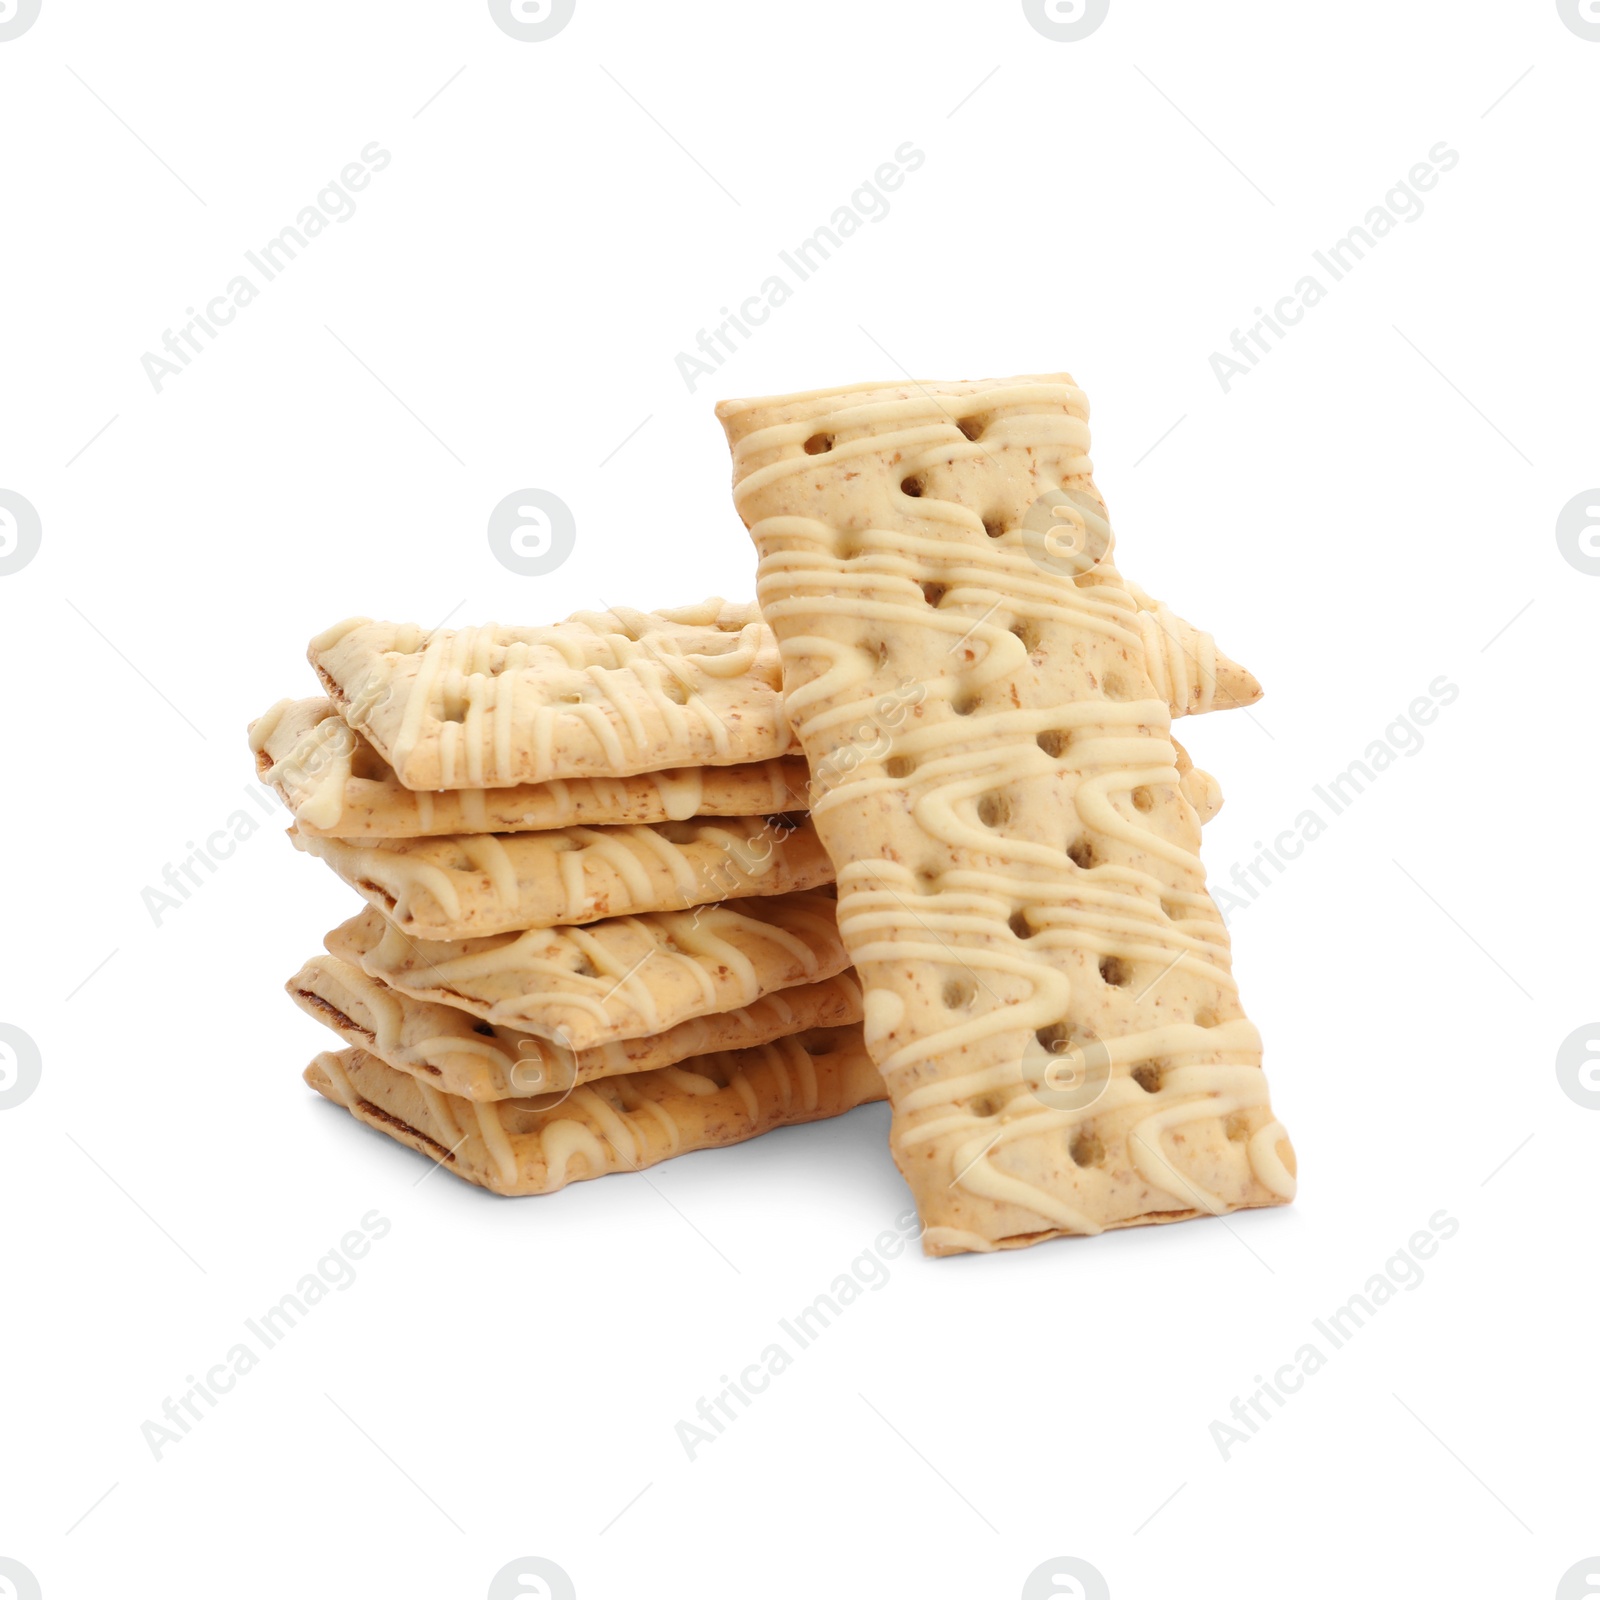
x=819, y=444
x=1054, y=1037
x=484, y=1029
x=1117, y=687
x=994, y=810
x=1114, y=970
x=1143, y=800
x=965, y=705
x=1205, y=1019
x=875, y=650
x=1148, y=1076
x=1028, y=633
x=675, y=692
x=1081, y=854
x=933, y=593
x=1054, y=742
x=900, y=766
x=984, y=1106
x=911, y=486
x=584, y=968
x=1237, y=1127
x=958, y=992
x=1171, y=912
x=1019, y=925
x=820, y=1044
x=455, y=714
x=928, y=877
x=573, y=697
x=1086, y=1149
x=972, y=427
x=994, y=526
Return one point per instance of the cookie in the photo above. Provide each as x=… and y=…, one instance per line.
x=617, y=979
x=337, y=785
x=1048, y=985
x=619, y=1124
x=616, y=694
x=601, y=695
x=462, y=1055
x=471, y=884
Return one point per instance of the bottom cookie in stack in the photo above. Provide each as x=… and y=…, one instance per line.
x=631, y=1120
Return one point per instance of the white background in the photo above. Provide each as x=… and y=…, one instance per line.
x=1372, y=507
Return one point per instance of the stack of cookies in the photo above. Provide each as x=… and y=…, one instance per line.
x=599, y=927
x=620, y=906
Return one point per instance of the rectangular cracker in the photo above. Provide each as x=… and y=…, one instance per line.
x=1047, y=983
x=336, y=785
x=462, y=1055
x=603, y=694
x=622, y=1124
x=619, y=693
x=473, y=884
x=617, y=979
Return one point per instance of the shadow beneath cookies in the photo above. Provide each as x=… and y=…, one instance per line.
x=846, y=1157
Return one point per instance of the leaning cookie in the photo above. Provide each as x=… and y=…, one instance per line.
x=1048, y=987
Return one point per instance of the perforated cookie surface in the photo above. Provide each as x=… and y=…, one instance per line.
x=1048, y=985
x=602, y=694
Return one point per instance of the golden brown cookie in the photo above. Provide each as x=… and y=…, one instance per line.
x=1048, y=985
